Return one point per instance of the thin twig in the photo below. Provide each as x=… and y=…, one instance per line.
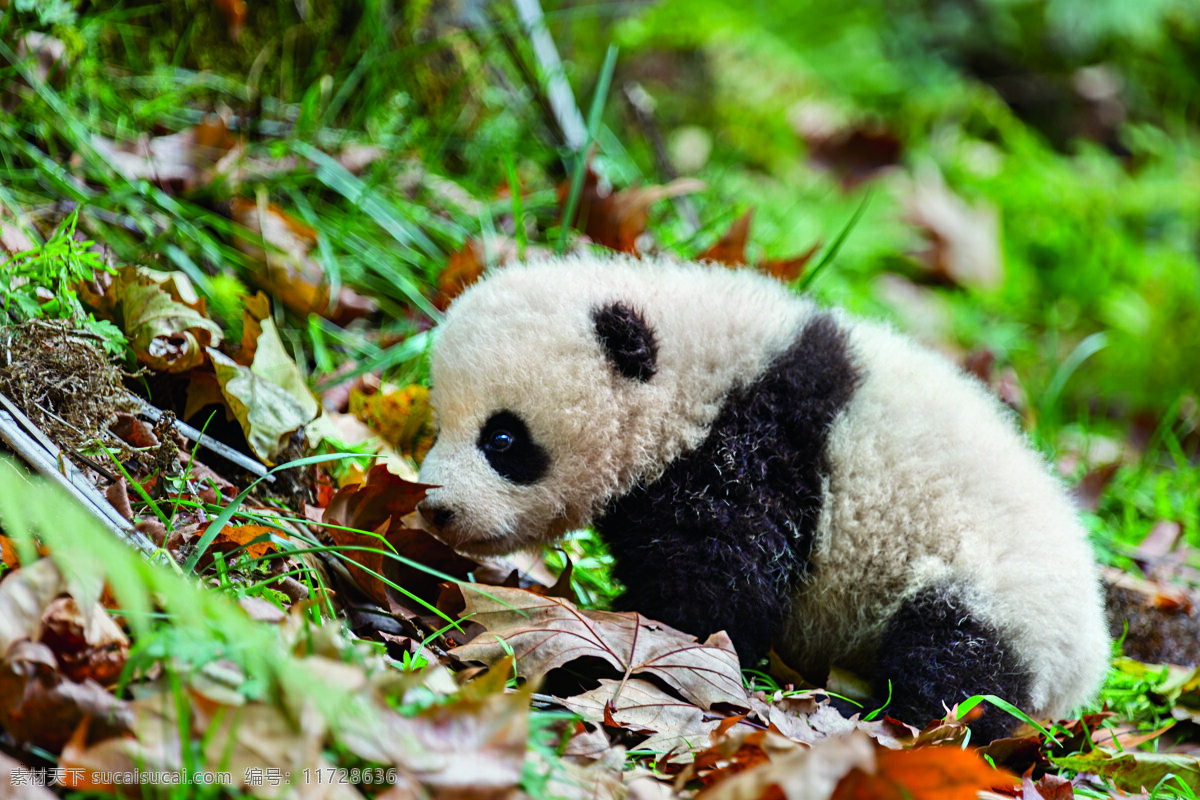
x=202, y=440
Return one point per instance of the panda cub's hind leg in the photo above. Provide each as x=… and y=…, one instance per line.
x=935, y=650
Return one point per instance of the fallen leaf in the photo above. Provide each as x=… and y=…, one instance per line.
x=854, y=151
x=730, y=249
x=929, y=773
x=1159, y=541
x=243, y=740
x=543, y=633
x=1090, y=489
x=616, y=219
x=14, y=236
x=964, y=239
x=924, y=314
x=283, y=245
x=8, y=553
x=787, y=771
x=789, y=269
x=463, y=267
x=87, y=645
x=672, y=725
x=382, y=505
x=49, y=54
x=401, y=417
x=235, y=16
x=264, y=389
x=268, y=414
x=472, y=747
x=1134, y=770
x=166, y=330
x=24, y=595
x=234, y=540
x=38, y=706
x=187, y=157
x=1049, y=787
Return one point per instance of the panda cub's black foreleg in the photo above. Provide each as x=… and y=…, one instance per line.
x=700, y=585
x=935, y=651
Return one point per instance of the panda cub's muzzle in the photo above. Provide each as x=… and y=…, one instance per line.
x=437, y=517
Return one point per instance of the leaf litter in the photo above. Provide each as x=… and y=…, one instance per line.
x=679, y=705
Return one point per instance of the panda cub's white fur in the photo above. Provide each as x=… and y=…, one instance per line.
x=800, y=478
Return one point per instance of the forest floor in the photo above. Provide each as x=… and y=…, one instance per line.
x=227, y=233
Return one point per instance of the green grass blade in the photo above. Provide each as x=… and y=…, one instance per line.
x=606, y=73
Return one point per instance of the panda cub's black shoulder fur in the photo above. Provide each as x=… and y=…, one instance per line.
x=743, y=504
x=795, y=477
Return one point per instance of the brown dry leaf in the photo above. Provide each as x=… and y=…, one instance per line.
x=617, y=219
x=964, y=239
x=39, y=707
x=639, y=706
x=87, y=645
x=602, y=780
x=588, y=742
x=929, y=773
x=24, y=595
x=242, y=740
x=467, y=264
x=187, y=157
x=283, y=245
x=548, y=632
x=789, y=269
x=782, y=770
x=1159, y=542
x=166, y=323
x=133, y=431
x=854, y=151
x=1049, y=787
x=237, y=539
x=401, y=417
x=730, y=249
x=472, y=747
x=1091, y=487
x=382, y=504
x=463, y=267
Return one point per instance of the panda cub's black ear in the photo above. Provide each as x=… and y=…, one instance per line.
x=627, y=340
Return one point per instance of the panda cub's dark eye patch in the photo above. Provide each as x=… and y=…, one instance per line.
x=505, y=442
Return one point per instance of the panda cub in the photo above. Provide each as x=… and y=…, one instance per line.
x=759, y=465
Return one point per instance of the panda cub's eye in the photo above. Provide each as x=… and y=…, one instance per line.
x=499, y=441
x=510, y=450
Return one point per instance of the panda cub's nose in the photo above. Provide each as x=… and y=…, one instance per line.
x=437, y=516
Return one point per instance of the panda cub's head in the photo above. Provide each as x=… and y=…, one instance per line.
x=542, y=382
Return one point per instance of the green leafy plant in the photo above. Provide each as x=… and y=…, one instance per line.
x=40, y=284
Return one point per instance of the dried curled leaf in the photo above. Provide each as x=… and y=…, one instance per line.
x=264, y=387
x=167, y=327
x=383, y=504
x=543, y=633
x=638, y=706
x=401, y=417
x=617, y=219
x=268, y=413
x=928, y=773
x=760, y=764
